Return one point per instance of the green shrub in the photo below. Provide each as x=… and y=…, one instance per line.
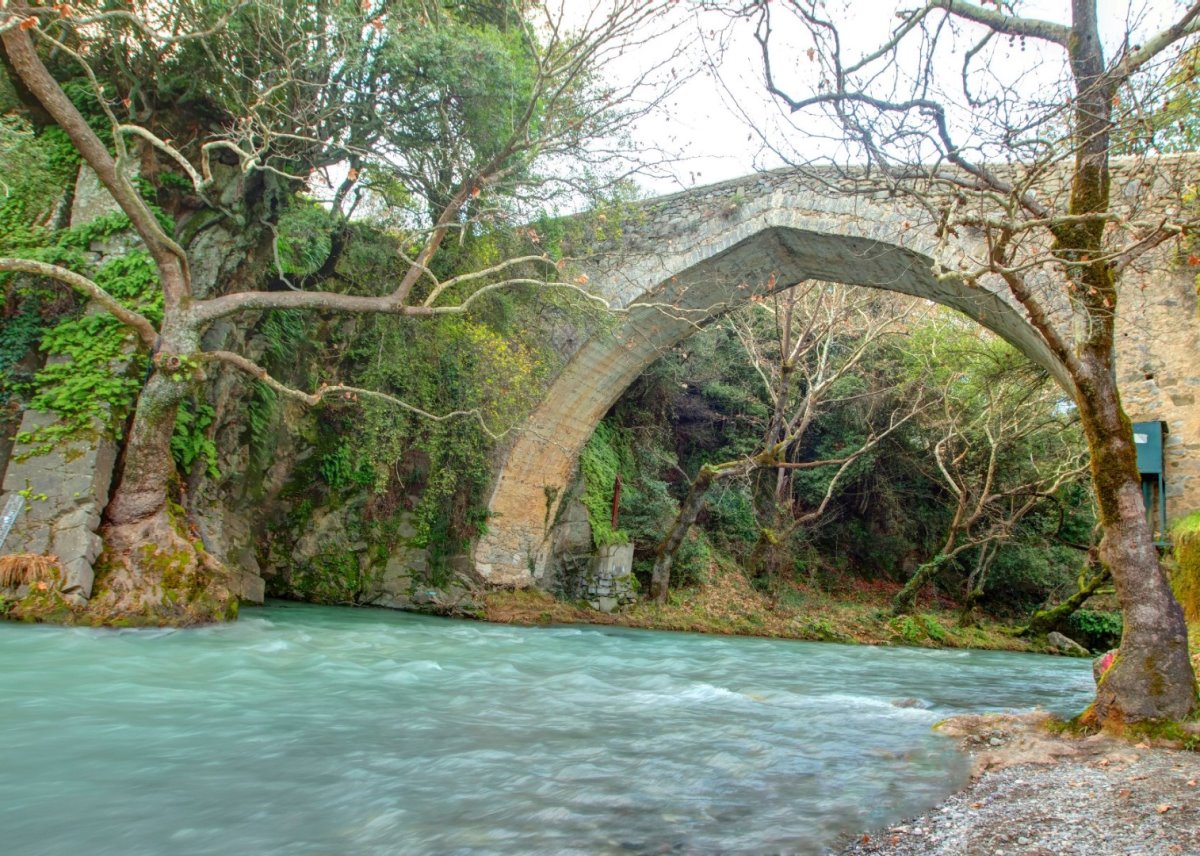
x=691, y=562
x=907, y=628
x=304, y=239
x=933, y=628
x=731, y=514
x=1096, y=630
x=1025, y=575
x=190, y=441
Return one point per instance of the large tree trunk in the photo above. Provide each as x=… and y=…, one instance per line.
x=1152, y=677
x=146, y=465
x=152, y=571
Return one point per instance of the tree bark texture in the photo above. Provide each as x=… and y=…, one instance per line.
x=689, y=510
x=1152, y=677
x=147, y=463
x=905, y=600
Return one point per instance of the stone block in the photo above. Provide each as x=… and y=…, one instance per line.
x=67, y=487
x=77, y=576
x=613, y=560
x=249, y=587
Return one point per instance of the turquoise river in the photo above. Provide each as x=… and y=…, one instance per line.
x=310, y=730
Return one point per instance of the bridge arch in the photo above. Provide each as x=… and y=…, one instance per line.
x=694, y=256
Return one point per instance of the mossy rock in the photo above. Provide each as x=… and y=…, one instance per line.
x=1185, y=578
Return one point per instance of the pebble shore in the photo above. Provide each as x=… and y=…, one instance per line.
x=1038, y=794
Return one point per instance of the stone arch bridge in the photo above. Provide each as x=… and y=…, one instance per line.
x=697, y=254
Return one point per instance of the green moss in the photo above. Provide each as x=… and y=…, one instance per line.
x=1185, y=575
x=599, y=463
x=336, y=577
x=1082, y=725
x=1170, y=731
x=933, y=628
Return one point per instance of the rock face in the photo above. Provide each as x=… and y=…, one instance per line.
x=64, y=491
x=66, y=488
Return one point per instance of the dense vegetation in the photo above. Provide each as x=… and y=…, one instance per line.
x=334, y=280
x=890, y=511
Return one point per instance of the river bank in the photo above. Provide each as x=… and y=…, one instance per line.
x=1038, y=793
x=727, y=604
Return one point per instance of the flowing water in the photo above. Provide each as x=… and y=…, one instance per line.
x=306, y=730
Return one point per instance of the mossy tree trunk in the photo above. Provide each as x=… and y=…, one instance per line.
x=905, y=600
x=1052, y=618
x=147, y=466
x=689, y=510
x=1152, y=677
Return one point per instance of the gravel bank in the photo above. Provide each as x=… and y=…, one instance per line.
x=1037, y=794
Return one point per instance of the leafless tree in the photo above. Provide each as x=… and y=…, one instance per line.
x=1001, y=125
x=1004, y=447
x=813, y=337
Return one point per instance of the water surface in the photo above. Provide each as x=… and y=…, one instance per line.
x=306, y=730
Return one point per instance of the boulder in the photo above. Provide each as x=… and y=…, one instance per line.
x=1065, y=645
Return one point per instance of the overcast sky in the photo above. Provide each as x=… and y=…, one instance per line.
x=706, y=120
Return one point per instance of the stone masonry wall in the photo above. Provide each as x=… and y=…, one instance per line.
x=1158, y=368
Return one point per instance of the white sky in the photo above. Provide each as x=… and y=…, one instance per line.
x=715, y=141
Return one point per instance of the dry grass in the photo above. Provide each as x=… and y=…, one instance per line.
x=728, y=604
x=533, y=606
x=21, y=569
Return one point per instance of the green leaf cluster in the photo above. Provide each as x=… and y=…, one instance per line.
x=304, y=238
x=190, y=441
x=599, y=463
x=95, y=371
x=1096, y=630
